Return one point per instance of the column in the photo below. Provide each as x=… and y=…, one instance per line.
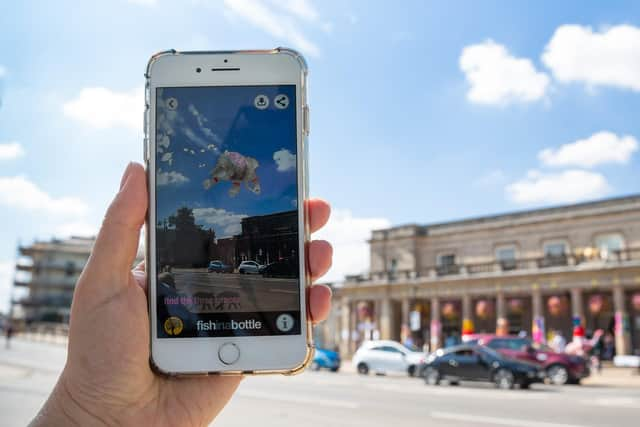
x=345, y=326
x=502, y=324
x=436, y=326
x=538, y=331
x=467, y=316
x=621, y=328
x=577, y=307
x=353, y=326
x=385, y=318
x=404, y=320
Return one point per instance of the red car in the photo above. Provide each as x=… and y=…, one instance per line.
x=561, y=368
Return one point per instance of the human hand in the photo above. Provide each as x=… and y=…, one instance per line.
x=107, y=379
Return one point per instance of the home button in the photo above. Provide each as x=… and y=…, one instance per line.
x=228, y=353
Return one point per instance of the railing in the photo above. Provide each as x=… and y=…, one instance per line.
x=550, y=261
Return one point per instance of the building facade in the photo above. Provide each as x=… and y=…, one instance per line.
x=48, y=271
x=533, y=272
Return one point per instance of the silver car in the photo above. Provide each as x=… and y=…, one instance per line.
x=250, y=267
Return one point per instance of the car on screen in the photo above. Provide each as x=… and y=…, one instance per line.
x=250, y=267
x=560, y=368
x=219, y=267
x=284, y=268
x=382, y=356
x=479, y=363
x=325, y=359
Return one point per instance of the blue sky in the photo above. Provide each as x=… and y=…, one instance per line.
x=427, y=112
x=207, y=125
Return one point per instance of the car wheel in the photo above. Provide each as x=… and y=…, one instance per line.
x=454, y=383
x=241, y=271
x=503, y=379
x=431, y=376
x=525, y=385
x=315, y=366
x=363, y=368
x=411, y=370
x=558, y=374
x=336, y=369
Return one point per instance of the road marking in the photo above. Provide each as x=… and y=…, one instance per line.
x=292, y=398
x=619, y=402
x=481, y=419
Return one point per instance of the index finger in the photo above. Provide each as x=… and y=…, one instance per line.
x=319, y=211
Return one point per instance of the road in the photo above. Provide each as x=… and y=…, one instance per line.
x=29, y=370
x=253, y=292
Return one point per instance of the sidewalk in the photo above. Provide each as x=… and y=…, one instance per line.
x=614, y=377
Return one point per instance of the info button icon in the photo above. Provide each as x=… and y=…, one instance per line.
x=285, y=322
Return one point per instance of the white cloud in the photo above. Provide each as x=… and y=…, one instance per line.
x=170, y=177
x=11, y=150
x=285, y=160
x=6, y=278
x=497, y=77
x=230, y=222
x=280, y=19
x=564, y=187
x=348, y=235
x=3, y=71
x=20, y=193
x=103, y=108
x=77, y=229
x=301, y=8
x=610, y=57
x=599, y=148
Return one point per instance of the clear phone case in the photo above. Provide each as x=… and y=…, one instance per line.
x=305, y=189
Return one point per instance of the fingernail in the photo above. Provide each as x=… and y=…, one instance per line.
x=126, y=174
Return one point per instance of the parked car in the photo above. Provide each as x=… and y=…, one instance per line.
x=250, y=267
x=386, y=356
x=468, y=362
x=283, y=268
x=561, y=368
x=219, y=267
x=325, y=359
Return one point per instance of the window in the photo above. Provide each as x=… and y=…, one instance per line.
x=69, y=268
x=446, y=264
x=506, y=256
x=465, y=352
x=609, y=245
x=555, y=253
x=508, y=344
x=390, y=349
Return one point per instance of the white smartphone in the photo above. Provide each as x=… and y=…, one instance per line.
x=226, y=154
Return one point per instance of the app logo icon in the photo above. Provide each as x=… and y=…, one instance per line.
x=285, y=322
x=281, y=101
x=172, y=103
x=261, y=102
x=173, y=325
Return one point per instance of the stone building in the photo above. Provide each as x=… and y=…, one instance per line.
x=530, y=272
x=48, y=270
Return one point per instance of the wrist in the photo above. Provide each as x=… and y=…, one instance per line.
x=63, y=409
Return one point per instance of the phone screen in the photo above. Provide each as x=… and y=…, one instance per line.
x=227, y=244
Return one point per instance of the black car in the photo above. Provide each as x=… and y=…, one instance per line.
x=478, y=363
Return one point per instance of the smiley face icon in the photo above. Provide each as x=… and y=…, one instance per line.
x=173, y=325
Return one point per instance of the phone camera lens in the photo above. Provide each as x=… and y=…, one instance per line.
x=225, y=61
x=198, y=69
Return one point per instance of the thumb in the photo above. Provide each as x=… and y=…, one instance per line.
x=109, y=266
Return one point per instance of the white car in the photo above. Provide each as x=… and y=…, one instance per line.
x=386, y=356
x=250, y=267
